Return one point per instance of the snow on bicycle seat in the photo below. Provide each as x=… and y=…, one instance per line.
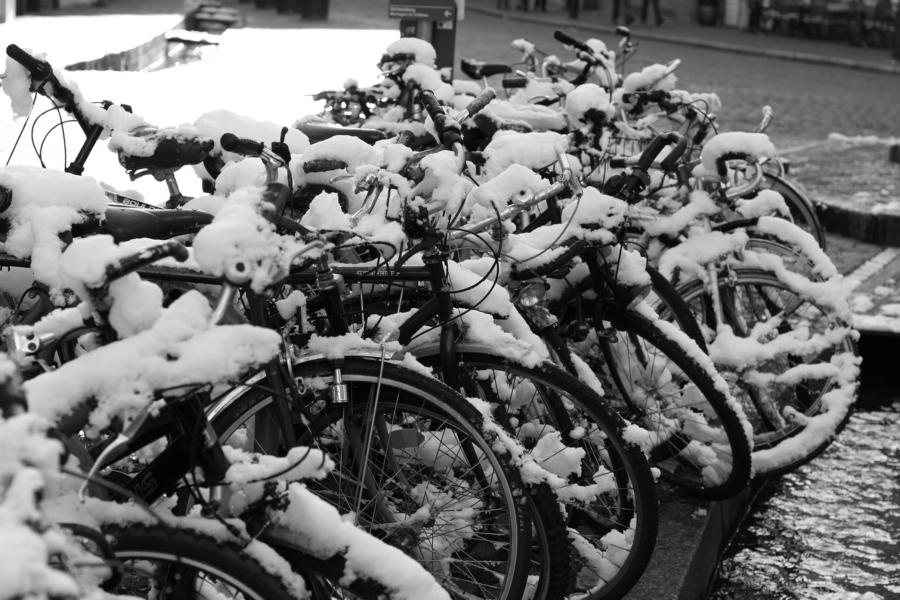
x=160, y=149
x=477, y=69
x=316, y=132
x=130, y=222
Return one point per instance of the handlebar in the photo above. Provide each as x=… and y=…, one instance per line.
x=239, y=145
x=655, y=96
x=656, y=146
x=740, y=191
x=38, y=69
x=147, y=256
x=478, y=104
x=448, y=129
x=41, y=73
x=768, y=115
x=628, y=186
x=567, y=181
x=721, y=161
x=568, y=40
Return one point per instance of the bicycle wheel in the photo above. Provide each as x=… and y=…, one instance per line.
x=412, y=466
x=796, y=374
x=617, y=530
x=803, y=210
x=160, y=562
x=698, y=437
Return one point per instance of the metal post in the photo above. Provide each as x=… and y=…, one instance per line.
x=10, y=11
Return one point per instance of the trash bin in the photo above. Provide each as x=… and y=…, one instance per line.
x=314, y=10
x=707, y=12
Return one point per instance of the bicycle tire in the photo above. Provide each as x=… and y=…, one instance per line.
x=764, y=297
x=803, y=210
x=418, y=395
x=680, y=400
x=189, y=554
x=633, y=501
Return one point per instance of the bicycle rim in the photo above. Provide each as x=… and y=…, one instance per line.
x=694, y=429
x=614, y=535
x=760, y=308
x=413, y=469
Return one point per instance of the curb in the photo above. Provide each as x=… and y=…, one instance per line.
x=661, y=37
x=882, y=228
x=723, y=522
x=692, y=540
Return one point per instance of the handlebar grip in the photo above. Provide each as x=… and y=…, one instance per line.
x=447, y=129
x=722, y=168
x=570, y=41
x=147, y=256
x=618, y=162
x=323, y=165
x=432, y=106
x=651, y=152
x=282, y=222
x=510, y=83
x=39, y=69
x=238, y=145
x=674, y=155
x=483, y=99
x=768, y=115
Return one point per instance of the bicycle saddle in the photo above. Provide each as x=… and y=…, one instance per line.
x=130, y=222
x=171, y=150
x=477, y=69
x=316, y=132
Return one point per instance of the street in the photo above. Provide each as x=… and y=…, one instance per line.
x=810, y=101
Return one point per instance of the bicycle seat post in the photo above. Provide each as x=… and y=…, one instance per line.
x=176, y=198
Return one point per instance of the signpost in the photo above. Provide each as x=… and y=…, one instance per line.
x=431, y=20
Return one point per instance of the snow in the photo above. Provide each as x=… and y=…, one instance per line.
x=46, y=203
x=53, y=36
x=651, y=77
x=243, y=51
x=423, y=51
x=585, y=97
x=533, y=150
x=178, y=349
x=755, y=145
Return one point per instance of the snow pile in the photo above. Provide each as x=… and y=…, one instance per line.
x=46, y=204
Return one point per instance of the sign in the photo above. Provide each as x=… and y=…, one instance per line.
x=428, y=10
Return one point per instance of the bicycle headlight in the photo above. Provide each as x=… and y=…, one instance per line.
x=531, y=294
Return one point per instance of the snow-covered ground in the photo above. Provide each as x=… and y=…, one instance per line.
x=263, y=73
x=72, y=39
